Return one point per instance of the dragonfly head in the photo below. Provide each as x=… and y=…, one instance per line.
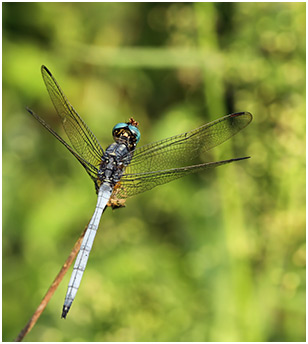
x=127, y=132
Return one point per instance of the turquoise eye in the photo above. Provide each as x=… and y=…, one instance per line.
x=135, y=131
x=119, y=126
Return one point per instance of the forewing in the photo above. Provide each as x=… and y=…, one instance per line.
x=91, y=170
x=80, y=136
x=178, y=151
x=132, y=184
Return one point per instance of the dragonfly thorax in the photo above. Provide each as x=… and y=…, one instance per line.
x=116, y=157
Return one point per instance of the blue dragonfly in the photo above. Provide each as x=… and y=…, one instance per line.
x=123, y=170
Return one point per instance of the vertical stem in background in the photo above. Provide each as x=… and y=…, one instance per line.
x=213, y=64
x=236, y=316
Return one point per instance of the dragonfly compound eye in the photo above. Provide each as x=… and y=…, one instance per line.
x=128, y=130
x=118, y=130
x=135, y=131
x=119, y=126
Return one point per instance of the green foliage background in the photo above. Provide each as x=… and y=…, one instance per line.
x=212, y=257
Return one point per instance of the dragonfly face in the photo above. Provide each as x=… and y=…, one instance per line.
x=127, y=132
x=124, y=170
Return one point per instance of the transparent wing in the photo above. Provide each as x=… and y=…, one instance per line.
x=80, y=136
x=180, y=150
x=91, y=170
x=132, y=184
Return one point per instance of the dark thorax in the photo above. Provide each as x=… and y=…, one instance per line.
x=116, y=157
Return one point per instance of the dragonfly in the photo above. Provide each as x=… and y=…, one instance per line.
x=123, y=169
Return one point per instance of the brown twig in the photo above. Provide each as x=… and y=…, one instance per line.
x=52, y=289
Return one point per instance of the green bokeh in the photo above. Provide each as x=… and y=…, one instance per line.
x=212, y=257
